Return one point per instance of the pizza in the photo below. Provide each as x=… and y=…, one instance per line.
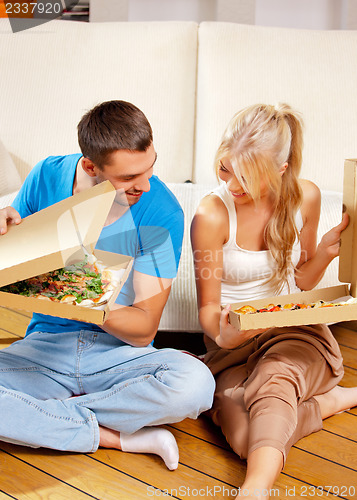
x=247, y=309
x=86, y=283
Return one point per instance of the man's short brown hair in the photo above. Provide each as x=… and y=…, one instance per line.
x=111, y=126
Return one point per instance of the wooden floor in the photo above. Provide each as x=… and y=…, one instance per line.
x=323, y=465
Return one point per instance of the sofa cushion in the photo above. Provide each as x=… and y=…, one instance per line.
x=7, y=199
x=52, y=74
x=180, y=313
x=9, y=176
x=314, y=71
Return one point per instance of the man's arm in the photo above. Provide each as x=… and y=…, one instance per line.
x=137, y=324
x=155, y=266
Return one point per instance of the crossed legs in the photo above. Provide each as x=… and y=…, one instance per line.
x=127, y=393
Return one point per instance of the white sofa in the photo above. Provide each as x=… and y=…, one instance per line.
x=189, y=79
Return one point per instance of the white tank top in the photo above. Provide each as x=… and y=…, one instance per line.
x=245, y=272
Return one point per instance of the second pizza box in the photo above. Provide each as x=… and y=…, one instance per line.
x=347, y=275
x=55, y=237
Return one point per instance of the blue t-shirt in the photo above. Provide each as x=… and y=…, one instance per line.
x=151, y=231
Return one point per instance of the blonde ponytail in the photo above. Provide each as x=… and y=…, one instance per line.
x=281, y=231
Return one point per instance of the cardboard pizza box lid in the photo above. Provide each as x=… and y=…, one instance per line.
x=348, y=250
x=54, y=237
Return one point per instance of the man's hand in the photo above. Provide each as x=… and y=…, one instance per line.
x=230, y=337
x=8, y=215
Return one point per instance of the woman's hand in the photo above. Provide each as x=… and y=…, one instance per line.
x=330, y=242
x=315, y=260
x=230, y=337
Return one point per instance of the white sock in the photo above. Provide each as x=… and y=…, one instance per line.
x=152, y=440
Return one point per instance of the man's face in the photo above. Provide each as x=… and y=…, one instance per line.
x=129, y=172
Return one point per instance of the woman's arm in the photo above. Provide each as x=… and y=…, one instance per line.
x=209, y=232
x=315, y=259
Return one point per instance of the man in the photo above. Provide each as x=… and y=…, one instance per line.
x=75, y=386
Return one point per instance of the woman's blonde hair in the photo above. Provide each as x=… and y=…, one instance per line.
x=258, y=141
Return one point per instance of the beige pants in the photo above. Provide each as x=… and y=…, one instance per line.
x=268, y=401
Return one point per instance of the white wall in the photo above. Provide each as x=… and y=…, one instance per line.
x=242, y=11
x=308, y=14
x=180, y=10
x=349, y=15
x=108, y=10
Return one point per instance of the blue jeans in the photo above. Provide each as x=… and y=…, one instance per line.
x=114, y=385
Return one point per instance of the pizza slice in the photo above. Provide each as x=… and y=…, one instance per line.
x=87, y=283
x=247, y=309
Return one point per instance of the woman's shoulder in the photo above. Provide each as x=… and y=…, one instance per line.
x=212, y=206
x=311, y=200
x=309, y=189
x=212, y=214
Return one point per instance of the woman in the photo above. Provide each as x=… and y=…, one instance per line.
x=256, y=236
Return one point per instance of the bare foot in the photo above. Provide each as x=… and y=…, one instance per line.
x=336, y=400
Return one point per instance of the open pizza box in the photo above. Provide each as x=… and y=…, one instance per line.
x=347, y=275
x=55, y=237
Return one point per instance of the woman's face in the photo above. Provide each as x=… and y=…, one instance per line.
x=236, y=189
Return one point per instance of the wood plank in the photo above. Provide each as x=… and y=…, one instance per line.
x=6, y=343
x=351, y=325
x=7, y=338
x=319, y=472
x=78, y=474
x=17, y=311
x=344, y=335
x=186, y=477
x=101, y=473
x=217, y=462
x=20, y=311
x=349, y=356
x=202, y=428
x=331, y=447
x=13, y=321
x=9, y=335
x=4, y=496
x=343, y=424
x=349, y=378
x=34, y=483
